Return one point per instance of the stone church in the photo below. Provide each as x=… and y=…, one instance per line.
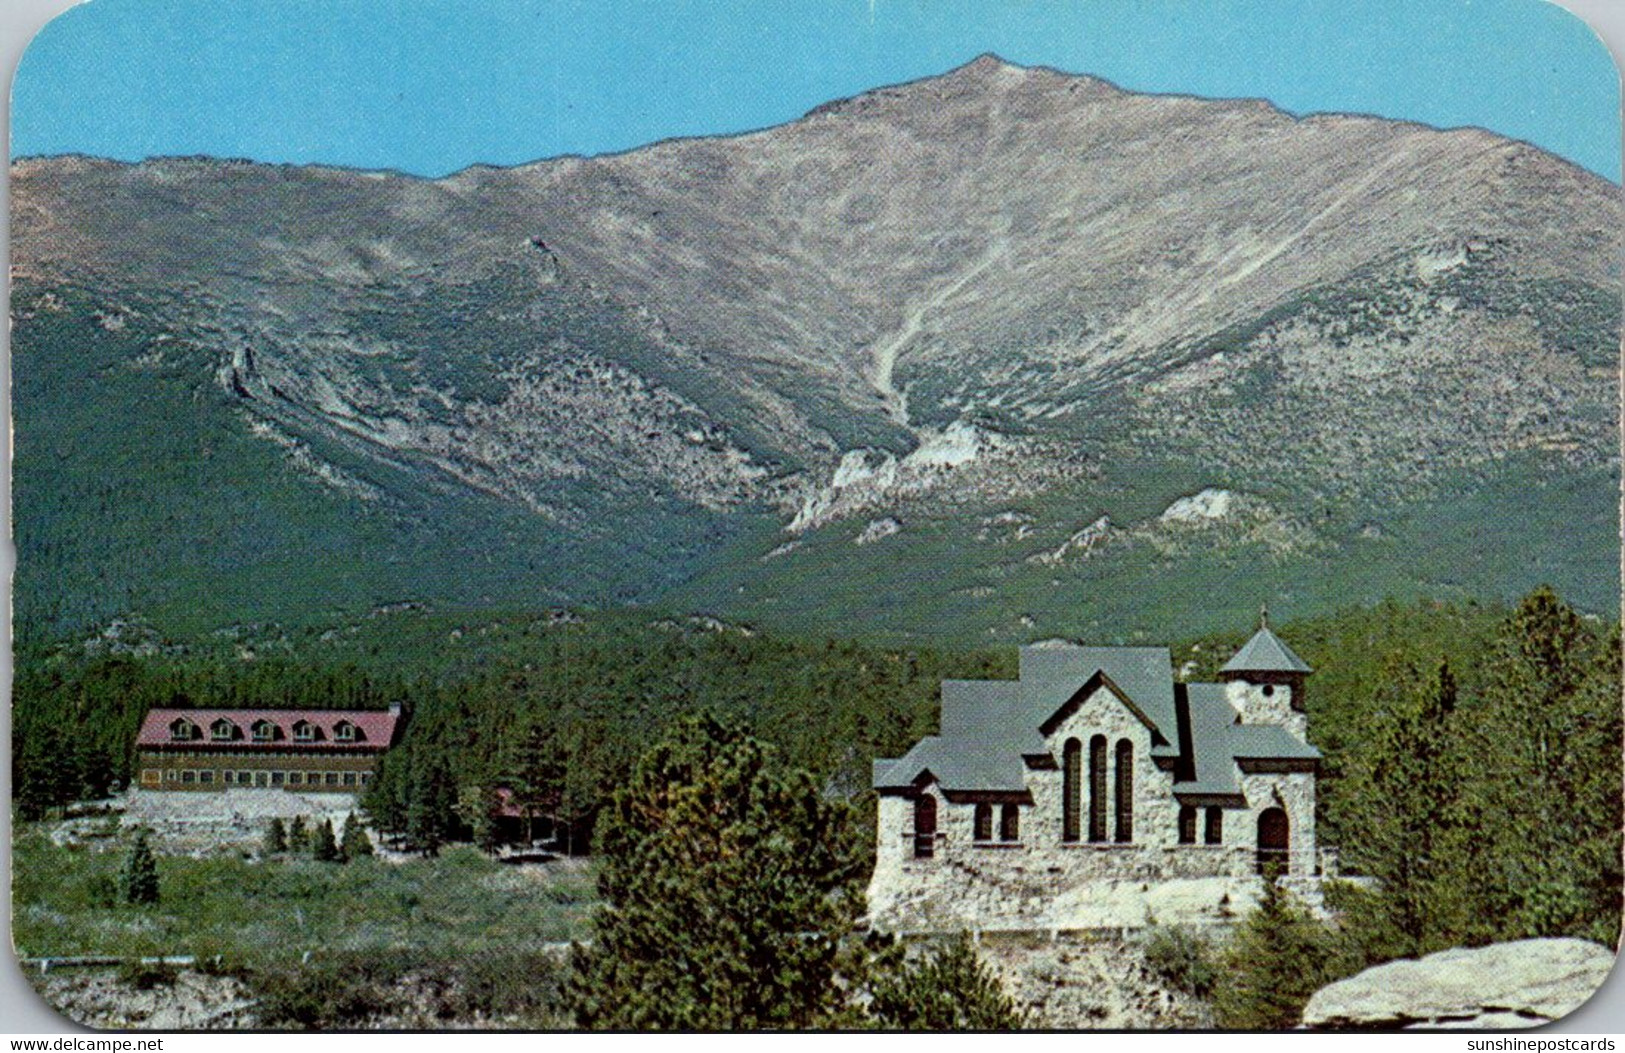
x=1095, y=790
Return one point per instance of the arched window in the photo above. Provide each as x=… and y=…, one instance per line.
x=1125, y=791
x=984, y=822
x=1214, y=833
x=264, y=731
x=1187, y=825
x=224, y=730
x=304, y=731
x=1010, y=823
x=1097, y=788
x=1072, y=790
x=925, y=826
x=344, y=731
x=182, y=730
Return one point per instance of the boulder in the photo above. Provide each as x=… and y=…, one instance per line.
x=1501, y=987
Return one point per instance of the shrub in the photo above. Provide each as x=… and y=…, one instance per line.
x=948, y=989
x=145, y=975
x=1181, y=958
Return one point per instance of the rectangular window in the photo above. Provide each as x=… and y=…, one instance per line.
x=349, y=778
x=278, y=777
x=332, y=778
x=229, y=777
x=1010, y=823
x=245, y=778
x=1187, y=825
x=151, y=777
x=173, y=776
x=984, y=822
x=262, y=778
x=205, y=776
x=188, y=777
x=296, y=778
x=366, y=778
x=1214, y=832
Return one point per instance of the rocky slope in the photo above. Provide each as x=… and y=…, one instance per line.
x=716, y=363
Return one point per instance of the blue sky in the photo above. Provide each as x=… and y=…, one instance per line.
x=430, y=86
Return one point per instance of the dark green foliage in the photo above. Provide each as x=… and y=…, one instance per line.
x=728, y=883
x=323, y=849
x=145, y=975
x=1410, y=826
x=1182, y=958
x=354, y=843
x=276, y=838
x=345, y=989
x=1276, y=958
x=946, y=989
x=298, y=836
x=138, y=880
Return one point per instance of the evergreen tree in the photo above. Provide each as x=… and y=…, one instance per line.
x=138, y=878
x=1549, y=741
x=276, y=838
x=322, y=848
x=1275, y=960
x=298, y=836
x=947, y=990
x=1408, y=833
x=727, y=885
x=354, y=843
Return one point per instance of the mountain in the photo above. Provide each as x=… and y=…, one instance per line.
x=1000, y=353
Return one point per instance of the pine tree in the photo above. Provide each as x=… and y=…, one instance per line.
x=298, y=836
x=1550, y=745
x=323, y=849
x=727, y=884
x=138, y=878
x=276, y=838
x=1409, y=834
x=948, y=990
x=354, y=843
x=1277, y=957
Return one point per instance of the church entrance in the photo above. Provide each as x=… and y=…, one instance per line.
x=1272, y=842
x=925, y=827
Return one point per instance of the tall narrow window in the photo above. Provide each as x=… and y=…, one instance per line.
x=1187, y=825
x=1214, y=833
x=1072, y=790
x=1010, y=823
x=925, y=824
x=1125, y=791
x=984, y=822
x=1097, y=788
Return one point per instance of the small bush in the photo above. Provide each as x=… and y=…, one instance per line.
x=138, y=880
x=144, y=976
x=1183, y=959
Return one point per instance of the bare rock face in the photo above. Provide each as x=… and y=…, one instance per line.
x=1521, y=984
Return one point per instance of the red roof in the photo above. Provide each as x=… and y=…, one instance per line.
x=372, y=729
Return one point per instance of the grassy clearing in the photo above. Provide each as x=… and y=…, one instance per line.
x=269, y=914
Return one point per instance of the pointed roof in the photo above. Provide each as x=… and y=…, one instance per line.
x=1265, y=653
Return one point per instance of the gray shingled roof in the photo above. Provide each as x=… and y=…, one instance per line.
x=1052, y=675
x=989, y=726
x=1265, y=653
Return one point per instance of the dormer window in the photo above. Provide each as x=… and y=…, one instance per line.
x=182, y=730
x=264, y=731
x=344, y=731
x=304, y=731
x=223, y=730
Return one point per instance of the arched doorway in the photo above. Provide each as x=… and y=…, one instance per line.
x=925, y=826
x=1273, y=842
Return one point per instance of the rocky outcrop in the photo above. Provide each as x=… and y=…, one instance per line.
x=1521, y=984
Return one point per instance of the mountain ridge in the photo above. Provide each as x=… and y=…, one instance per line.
x=1038, y=270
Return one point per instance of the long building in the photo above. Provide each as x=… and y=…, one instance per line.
x=301, y=750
